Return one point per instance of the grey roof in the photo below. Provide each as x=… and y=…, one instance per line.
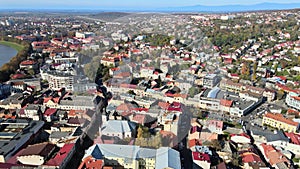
x=79, y=101
x=7, y=149
x=213, y=93
x=118, y=126
x=146, y=153
x=279, y=136
x=15, y=99
x=99, y=151
x=167, y=157
x=269, y=135
x=32, y=107
x=58, y=134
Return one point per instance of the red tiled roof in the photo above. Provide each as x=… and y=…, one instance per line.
x=125, y=107
x=123, y=74
x=200, y=156
x=226, y=103
x=50, y=111
x=194, y=142
x=163, y=105
x=18, y=76
x=139, y=118
x=296, y=98
x=42, y=149
x=28, y=62
x=279, y=117
x=74, y=113
x=249, y=157
x=61, y=155
x=217, y=123
x=274, y=155
x=295, y=138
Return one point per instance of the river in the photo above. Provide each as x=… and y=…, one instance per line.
x=6, y=53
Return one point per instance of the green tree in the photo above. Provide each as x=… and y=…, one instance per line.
x=193, y=91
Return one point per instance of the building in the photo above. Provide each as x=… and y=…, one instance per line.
x=127, y=156
x=57, y=82
x=15, y=101
x=229, y=85
x=210, y=80
x=62, y=157
x=12, y=140
x=36, y=154
x=32, y=111
x=5, y=90
x=118, y=128
x=280, y=122
x=201, y=159
x=293, y=100
x=215, y=126
x=276, y=158
x=84, y=35
x=29, y=64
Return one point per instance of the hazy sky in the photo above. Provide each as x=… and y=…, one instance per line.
x=4, y=4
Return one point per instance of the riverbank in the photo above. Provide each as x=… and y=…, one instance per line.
x=16, y=46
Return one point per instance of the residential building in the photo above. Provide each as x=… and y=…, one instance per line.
x=118, y=128
x=62, y=156
x=37, y=154
x=293, y=100
x=280, y=122
x=201, y=159
x=215, y=126
x=84, y=35
x=210, y=80
x=276, y=159
x=19, y=134
x=134, y=157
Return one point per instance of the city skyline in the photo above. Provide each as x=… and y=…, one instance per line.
x=118, y=4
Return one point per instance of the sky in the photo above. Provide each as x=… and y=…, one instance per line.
x=100, y=4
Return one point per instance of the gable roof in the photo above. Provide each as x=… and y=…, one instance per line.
x=273, y=155
x=118, y=126
x=61, y=155
x=281, y=118
x=42, y=149
x=50, y=111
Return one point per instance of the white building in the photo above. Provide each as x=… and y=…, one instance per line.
x=84, y=35
x=210, y=80
x=293, y=100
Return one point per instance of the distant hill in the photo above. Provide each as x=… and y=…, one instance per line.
x=109, y=16
x=234, y=8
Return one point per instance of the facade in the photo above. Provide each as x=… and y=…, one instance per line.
x=5, y=90
x=84, y=34
x=134, y=157
x=58, y=82
x=231, y=86
x=36, y=154
x=16, y=140
x=210, y=80
x=280, y=122
x=118, y=128
x=293, y=100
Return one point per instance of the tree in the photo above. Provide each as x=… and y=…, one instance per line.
x=236, y=160
x=216, y=144
x=280, y=94
x=140, y=132
x=193, y=91
x=245, y=69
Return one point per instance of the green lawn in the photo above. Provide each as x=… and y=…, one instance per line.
x=16, y=46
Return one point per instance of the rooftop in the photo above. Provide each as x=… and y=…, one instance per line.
x=281, y=118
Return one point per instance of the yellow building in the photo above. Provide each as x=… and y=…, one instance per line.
x=277, y=120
